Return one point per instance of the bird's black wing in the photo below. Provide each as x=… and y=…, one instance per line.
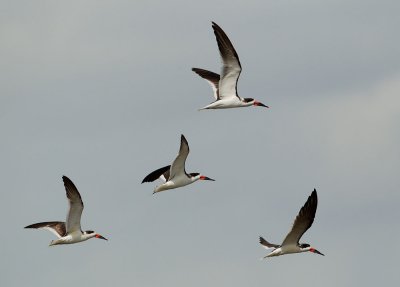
x=164, y=171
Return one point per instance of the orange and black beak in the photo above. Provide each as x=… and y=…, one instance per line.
x=313, y=250
x=202, y=177
x=260, y=104
x=100, y=237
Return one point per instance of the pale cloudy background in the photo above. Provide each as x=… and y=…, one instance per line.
x=101, y=90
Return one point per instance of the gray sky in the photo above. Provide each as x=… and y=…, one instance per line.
x=100, y=91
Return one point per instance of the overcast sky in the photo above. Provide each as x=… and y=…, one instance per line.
x=100, y=91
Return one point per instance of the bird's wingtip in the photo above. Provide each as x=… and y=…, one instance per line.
x=183, y=138
x=66, y=178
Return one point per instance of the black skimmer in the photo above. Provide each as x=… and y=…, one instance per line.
x=174, y=175
x=301, y=224
x=225, y=86
x=69, y=232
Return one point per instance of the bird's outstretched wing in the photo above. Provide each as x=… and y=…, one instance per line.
x=231, y=67
x=162, y=173
x=75, y=206
x=211, y=77
x=266, y=244
x=178, y=165
x=303, y=221
x=55, y=227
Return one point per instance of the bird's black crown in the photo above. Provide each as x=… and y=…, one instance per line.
x=304, y=245
x=248, y=100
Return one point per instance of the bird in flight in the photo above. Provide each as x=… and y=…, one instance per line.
x=225, y=85
x=70, y=231
x=301, y=224
x=174, y=175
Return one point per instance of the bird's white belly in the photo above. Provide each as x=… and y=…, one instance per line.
x=174, y=183
x=231, y=102
x=69, y=239
x=287, y=249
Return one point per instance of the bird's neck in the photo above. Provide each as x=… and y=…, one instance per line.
x=305, y=249
x=86, y=236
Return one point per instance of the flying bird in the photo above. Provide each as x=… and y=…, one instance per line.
x=70, y=231
x=301, y=224
x=174, y=175
x=225, y=86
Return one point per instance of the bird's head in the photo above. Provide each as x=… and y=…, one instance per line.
x=306, y=247
x=91, y=234
x=198, y=176
x=251, y=101
x=313, y=250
